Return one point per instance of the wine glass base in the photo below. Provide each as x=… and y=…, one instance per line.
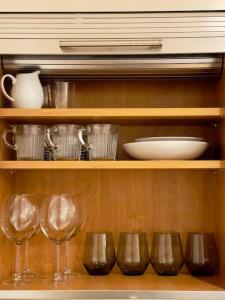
x=13, y=281
x=54, y=279
x=29, y=276
x=68, y=274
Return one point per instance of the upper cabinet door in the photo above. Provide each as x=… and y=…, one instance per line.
x=110, y=6
x=112, y=33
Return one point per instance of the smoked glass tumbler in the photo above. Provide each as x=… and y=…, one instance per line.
x=166, y=253
x=201, y=256
x=27, y=140
x=99, y=253
x=101, y=141
x=132, y=254
x=64, y=141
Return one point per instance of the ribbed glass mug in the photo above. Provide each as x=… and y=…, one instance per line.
x=64, y=140
x=101, y=141
x=27, y=140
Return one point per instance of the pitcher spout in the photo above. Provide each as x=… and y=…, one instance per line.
x=37, y=72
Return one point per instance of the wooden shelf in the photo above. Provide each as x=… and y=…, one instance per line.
x=112, y=165
x=117, y=282
x=110, y=115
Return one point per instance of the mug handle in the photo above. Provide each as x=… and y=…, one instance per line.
x=4, y=136
x=13, y=79
x=50, y=143
x=81, y=131
x=49, y=139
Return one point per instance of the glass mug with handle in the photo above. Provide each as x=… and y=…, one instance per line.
x=101, y=141
x=27, y=140
x=64, y=141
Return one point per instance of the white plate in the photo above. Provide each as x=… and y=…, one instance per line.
x=169, y=138
x=162, y=150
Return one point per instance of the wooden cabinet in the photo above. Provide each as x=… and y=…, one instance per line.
x=125, y=194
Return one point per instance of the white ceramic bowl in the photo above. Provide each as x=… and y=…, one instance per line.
x=171, y=150
x=170, y=138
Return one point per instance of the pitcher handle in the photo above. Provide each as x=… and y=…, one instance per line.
x=81, y=131
x=13, y=79
x=4, y=136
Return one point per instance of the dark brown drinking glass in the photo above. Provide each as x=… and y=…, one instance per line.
x=166, y=253
x=132, y=254
x=201, y=256
x=99, y=254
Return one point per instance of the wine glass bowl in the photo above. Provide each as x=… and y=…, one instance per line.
x=58, y=217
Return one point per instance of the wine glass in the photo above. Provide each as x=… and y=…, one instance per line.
x=26, y=272
x=19, y=221
x=82, y=215
x=58, y=221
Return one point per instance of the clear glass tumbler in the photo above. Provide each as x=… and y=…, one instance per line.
x=64, y=141
x=133, y=254
x=27, y=140
x=101, y=141
x=167, y=253
x=58, y=94
x=99, y=253
x=201, y=256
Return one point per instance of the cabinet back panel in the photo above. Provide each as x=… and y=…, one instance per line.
x=6, y=248
x=220, y=217
x=121, y=201
x=144, y=93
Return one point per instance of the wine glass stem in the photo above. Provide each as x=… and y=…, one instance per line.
x=58, y=260
x=18, y=261
x=26, y=263
x=67, y=255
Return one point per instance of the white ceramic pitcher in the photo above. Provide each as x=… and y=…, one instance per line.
x=26, y=90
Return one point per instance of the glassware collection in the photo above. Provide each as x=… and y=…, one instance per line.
x=75, y=142
x=63, y=141
x=60, y=217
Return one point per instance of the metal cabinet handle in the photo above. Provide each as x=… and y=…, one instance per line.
x=110, y=47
